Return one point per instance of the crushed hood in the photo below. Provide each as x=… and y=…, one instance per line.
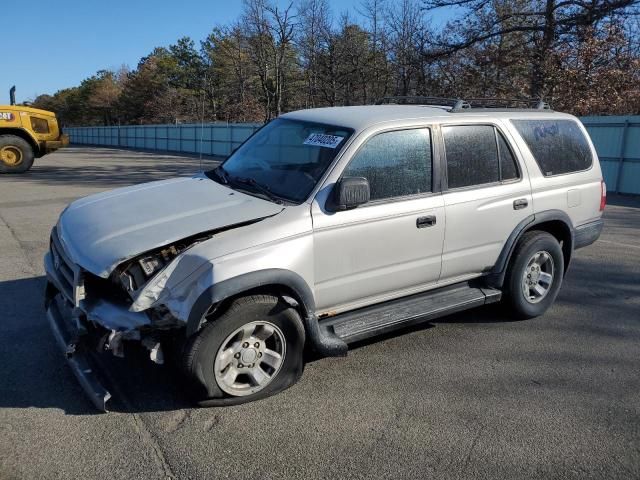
x=101, y=231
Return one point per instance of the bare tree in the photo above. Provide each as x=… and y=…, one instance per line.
x=546, y=22
x=581, y=55
x=315, y=25
x=406, y=23
x=374, y=13
x=270, y=33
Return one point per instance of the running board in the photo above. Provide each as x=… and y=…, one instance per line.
x=384, y=317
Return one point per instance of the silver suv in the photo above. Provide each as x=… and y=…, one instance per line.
x=326, y=227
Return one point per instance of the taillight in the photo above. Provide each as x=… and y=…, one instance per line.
x=603, y=195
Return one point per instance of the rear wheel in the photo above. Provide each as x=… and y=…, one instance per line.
x=535, y=274
x=255, y=349
x=16, y=155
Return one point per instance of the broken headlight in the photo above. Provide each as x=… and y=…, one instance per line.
x=135, y=273
x=153, y=263
x=138, y=272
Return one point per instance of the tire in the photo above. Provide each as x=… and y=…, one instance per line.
x=526, y=277
x=16, y=155
x=209, y=371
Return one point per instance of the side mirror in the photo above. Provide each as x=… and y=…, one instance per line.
x=350, y=192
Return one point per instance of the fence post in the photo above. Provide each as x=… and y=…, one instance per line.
x=623, y=146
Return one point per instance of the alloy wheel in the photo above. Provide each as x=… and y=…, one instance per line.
x=250, y=358
x=537, y=278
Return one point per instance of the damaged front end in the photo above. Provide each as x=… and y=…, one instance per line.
x=89, y=314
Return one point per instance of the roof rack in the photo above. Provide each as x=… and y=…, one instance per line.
x=526, y=103
x=420, y=100
x=459, y=105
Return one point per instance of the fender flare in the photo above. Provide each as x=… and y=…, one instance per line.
x=324, y=342
x=243, y=283
x=498, y=273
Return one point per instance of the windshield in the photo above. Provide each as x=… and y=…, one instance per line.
x=285, y=158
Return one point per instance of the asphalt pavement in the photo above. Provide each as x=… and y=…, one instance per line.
x=474, y=395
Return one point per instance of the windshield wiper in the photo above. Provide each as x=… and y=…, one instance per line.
x=257, y=186
x=222, y=174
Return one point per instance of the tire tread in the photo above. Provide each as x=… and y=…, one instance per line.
x=512, y=283
x=27, y=152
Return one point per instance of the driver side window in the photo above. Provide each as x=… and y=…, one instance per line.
x=396, y=163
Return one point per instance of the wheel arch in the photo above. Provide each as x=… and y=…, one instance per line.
x=554, y=222
x=284, y=283
x=22, y=133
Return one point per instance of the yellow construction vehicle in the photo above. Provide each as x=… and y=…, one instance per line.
x=25, y=134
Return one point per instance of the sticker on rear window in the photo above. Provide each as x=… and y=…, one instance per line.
x=323, y=140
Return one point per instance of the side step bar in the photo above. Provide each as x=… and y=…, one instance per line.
x=394, y=314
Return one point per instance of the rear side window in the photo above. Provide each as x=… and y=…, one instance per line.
x=559, y=146
x=477, y=155
x=508, y=165
x=396, y=164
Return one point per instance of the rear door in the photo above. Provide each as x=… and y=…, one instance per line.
x=487, y=195
x=392, y=245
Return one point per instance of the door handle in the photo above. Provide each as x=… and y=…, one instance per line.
x=428, y=221
x=520, y=204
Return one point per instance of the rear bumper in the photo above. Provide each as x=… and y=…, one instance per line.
x=68, y=338
x=587, y=234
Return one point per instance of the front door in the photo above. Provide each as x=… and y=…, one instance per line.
x=392, y=245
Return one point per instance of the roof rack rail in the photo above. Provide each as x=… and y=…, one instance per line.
x=517, y=103
x=460, y=105
x=420, y=100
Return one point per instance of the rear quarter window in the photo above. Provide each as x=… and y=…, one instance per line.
x=559, y=146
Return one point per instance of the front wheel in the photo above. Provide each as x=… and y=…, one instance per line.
x=255, y=349
x=535, y=274
x=16, y=155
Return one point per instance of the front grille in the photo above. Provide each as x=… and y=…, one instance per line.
x=69, y=274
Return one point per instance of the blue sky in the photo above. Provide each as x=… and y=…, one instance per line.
x=54, y=45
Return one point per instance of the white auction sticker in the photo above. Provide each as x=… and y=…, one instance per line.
x=323, y=140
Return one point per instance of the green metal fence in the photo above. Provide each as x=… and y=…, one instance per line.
x=617, y=140
x=217, y=139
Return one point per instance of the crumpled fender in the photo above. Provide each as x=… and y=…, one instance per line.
x=166, y=287
x=286, y=245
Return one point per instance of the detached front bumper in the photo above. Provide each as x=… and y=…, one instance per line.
x=67, y=314
x=88, y=317
x=68, y=336
x=69, y=282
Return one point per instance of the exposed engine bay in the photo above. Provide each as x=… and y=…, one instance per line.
x=135, y=273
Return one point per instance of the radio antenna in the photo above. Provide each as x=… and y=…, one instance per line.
x=202, y=121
